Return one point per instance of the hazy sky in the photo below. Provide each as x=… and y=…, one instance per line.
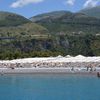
x=29, y=8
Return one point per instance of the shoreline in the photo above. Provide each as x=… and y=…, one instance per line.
x=52, y=65
x=4, y=71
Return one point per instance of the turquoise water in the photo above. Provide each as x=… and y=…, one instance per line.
x=49, y=87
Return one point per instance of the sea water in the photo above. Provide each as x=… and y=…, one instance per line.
x=49, y=87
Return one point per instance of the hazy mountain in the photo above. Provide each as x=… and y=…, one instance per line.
x=54, y=15
x=67, y=22
x=94, y=12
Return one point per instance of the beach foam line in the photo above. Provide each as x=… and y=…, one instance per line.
x=42, y=70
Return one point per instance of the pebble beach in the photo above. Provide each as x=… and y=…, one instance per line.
x=59, y=64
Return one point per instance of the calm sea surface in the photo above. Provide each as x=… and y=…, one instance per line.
x=49, y=87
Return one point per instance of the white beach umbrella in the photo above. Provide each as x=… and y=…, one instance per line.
x=59, y=56
x=68, y=56
x=80, y=56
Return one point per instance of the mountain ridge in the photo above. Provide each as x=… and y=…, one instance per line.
x=11, y=19
x=66, y=21
x=94, y=11
x=57, y=33
x=50, y=14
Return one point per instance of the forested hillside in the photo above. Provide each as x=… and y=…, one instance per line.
x=50, y=34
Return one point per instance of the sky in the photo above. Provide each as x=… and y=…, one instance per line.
x=29, y=8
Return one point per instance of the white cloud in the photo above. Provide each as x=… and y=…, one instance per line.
x=70, y=2
x=87, y=4
x=21, y=3
x=91, y=3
